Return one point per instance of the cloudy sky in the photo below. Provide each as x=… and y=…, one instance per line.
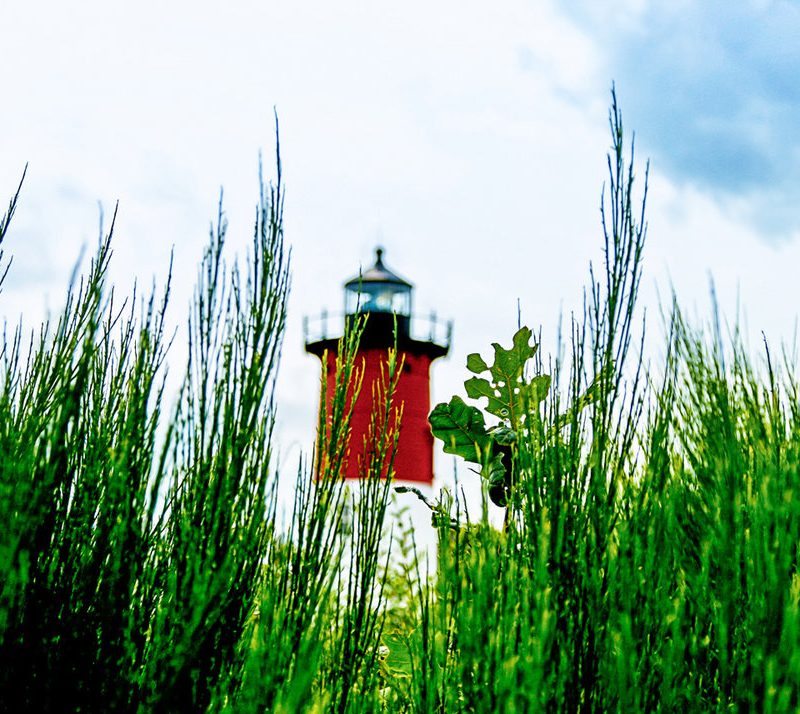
x=468, y=138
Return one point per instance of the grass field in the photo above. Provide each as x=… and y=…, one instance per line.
x=648, y=560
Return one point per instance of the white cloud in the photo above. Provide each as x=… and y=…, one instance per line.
x=713, y=88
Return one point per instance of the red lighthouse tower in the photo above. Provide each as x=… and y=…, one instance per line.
x=386, y=297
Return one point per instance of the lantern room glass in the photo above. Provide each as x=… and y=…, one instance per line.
x=378, y=297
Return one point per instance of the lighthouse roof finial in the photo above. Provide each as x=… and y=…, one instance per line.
x=378, y=273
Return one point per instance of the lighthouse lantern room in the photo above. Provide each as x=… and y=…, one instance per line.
x=378, y=290
x=386, y=300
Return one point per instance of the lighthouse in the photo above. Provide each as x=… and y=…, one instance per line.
x=386, y=300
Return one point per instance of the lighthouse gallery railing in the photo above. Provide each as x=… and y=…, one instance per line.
x=424, y=328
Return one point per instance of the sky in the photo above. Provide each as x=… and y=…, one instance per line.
x=467, y=138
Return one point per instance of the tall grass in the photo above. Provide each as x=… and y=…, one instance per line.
x=144, y=567
x=648, y=561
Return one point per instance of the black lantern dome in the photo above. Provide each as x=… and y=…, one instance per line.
x=378, y=290
x=385, y=299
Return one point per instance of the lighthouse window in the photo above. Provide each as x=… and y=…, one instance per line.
x=379, y=297
x=379, y=301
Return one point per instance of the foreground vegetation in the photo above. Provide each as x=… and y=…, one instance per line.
x=648, y=560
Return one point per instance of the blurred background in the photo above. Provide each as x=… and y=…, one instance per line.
x=468, y=139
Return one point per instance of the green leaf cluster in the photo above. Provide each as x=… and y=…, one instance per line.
x=510, y=396
x=506, y=389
